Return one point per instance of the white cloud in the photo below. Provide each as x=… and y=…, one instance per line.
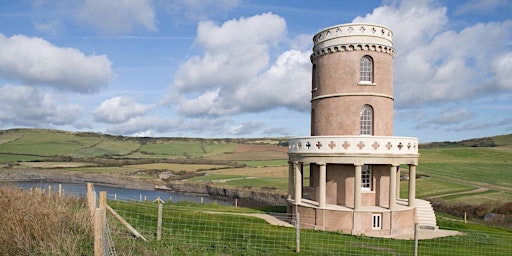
x=35, y=61
x=502, y=67
x=143, y=125
x=119, y=109
x=234, y=52
x=28, y=106
x=452, y=116
x=285, y=84
x=235, y=74
x=245, y=128
x=117, y=16
x=434, y=64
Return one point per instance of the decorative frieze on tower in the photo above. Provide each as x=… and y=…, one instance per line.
x=353, y=158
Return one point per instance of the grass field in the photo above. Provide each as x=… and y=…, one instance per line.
x=453, y=168
x=210, y=229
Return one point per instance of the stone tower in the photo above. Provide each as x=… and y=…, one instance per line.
x=352, y=157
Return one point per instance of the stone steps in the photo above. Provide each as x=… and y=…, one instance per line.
x=425, y=215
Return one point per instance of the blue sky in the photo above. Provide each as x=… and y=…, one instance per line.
x=241, y=68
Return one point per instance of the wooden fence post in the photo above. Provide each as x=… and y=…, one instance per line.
x=99, y=230
x=60, y=190
x=103, y=199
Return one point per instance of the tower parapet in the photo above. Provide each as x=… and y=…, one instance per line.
x=353, y=37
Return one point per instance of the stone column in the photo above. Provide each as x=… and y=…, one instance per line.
x=412, y=184
x=298, y=182
x=392, y=187
x=290, y=180
x=322, y=187
x=357, y=187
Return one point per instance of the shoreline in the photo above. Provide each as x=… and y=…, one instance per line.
x=13, y=175
x=64, y=176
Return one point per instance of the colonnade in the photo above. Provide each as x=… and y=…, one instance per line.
x=295, y=184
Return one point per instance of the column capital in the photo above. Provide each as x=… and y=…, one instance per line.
x=321, y=163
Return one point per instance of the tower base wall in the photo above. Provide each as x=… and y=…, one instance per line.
x=398, y=222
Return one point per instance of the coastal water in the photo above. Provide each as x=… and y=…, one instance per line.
x=125, y=194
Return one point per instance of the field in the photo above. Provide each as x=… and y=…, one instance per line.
x=469, y=171
x=473, y=172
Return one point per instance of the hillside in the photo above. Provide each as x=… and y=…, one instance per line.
x=494, y=141
x=471, y=171
x=42, y=144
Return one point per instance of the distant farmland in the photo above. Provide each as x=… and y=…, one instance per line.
x=445, y=168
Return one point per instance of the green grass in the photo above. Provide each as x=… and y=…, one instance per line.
x=428, y=187
x=14, y=158
x=186, y=149
x=215, y=177
x=194, y=229
x=108, y=147
x=265, y=163
x=263, y=182
x=45, y=143
x=490, y=196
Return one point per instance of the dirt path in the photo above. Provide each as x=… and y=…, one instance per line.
x=478, y=190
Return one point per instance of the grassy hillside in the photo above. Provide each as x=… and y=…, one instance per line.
x=445, y=167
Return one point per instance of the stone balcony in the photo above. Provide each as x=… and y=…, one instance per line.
x=354, y=145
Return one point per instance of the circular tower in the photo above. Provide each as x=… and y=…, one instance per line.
x=346, y=175
x=352, y=87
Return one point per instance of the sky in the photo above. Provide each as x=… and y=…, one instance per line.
x=241, y=68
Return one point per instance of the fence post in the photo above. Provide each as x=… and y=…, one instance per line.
x=91, y=202
x=159, y=222
x=99, y=230
x=49, y=190
x=297, y=233
x=103, y=199
x=416, y=230
x=60, y=190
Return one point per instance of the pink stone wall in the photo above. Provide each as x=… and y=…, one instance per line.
x=338, y=73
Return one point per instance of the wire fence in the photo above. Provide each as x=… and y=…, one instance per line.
x=195, y=229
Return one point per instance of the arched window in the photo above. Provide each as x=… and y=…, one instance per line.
x=366, y=70
x=366, y=122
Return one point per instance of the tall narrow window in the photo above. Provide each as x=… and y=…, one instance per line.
x=314, y=76
x=366, y=177
x=366, y=70
x=366, y=123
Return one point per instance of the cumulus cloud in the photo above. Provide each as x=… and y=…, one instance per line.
x=436, y=64
x=143, y=125
x=120, y=109
x=235, y=74
x=117, y=16
x=447, y=117
x=28, y=106
x=245, y=128
x=35, y=61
